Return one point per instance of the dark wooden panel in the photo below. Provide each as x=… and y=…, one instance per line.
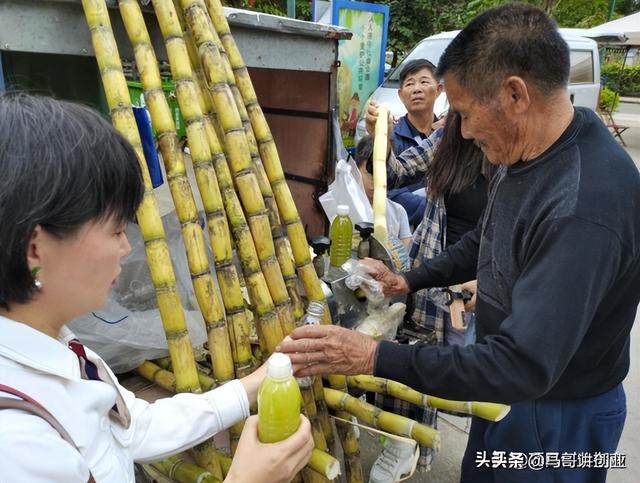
x=292, y=89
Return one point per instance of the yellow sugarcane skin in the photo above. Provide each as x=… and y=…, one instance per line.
x=156, y=374
x=258, y=121
x=114, y=90
x=248, y=183
x=426, y=436
x=322, y=462
x=296, y=232
x=282, y=194
x=206, y=457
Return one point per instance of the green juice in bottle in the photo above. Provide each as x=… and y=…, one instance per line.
x=279, y=401
x=341, y=235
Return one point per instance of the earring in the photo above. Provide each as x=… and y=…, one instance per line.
x=34, y=273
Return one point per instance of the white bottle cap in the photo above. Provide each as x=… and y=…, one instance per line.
x=279, y=366
x=343, y=210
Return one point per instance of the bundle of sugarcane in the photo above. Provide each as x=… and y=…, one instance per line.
x=380, y=174
x=236, y=146
x=192, y=235
x=158, y=257
x=148, y=215
x=287, y=209
x=219, y=234
x=485, y=410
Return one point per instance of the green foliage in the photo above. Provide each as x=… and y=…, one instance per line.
x=609, y=99
x=626, y=82
x=581, y=13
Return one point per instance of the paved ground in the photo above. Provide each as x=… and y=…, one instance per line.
x=446, y=468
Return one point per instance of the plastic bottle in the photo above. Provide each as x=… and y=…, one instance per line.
x=341, y=235
x=314, y=314
x=279, y=401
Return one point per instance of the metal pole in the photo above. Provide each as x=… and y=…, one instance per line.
x=612, y=6
x=291, y=8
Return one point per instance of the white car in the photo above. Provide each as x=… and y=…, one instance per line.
x=584, y=77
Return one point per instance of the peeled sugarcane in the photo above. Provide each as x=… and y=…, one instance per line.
x=380, y=174
x=184, y=472
x=201, y=157
x=286, y=207
x=386, y=421
x=148, y=215
x=324, y=463
x=193, y=237
x=485, y=410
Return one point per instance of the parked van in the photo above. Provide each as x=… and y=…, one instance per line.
x=584, y=77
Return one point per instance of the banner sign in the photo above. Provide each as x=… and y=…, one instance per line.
x=361, y=59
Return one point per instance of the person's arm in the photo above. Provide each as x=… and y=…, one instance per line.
x=412, y=164
x=457, y=264
x=564, y=280
x=174, y=424
x=32, y=451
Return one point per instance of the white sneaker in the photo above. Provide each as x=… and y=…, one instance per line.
x=395, y=461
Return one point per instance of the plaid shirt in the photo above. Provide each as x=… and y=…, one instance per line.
x=429, y=238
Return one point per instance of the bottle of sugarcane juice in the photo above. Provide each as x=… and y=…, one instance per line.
x=279, y=401
x=341, y=235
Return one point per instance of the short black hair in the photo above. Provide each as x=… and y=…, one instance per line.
x=513, y=39
x=364, y=150
x=414, y=66
x=62, y=165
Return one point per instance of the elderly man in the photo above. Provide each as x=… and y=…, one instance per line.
x=557, y=260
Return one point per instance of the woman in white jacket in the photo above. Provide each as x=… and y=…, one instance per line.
x=69, y=185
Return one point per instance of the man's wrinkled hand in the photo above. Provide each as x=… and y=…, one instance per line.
x=392, y=283
x=328, y=349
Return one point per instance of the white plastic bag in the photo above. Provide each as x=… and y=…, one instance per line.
x=128, y=329
x=347, y=189
x=383, y=321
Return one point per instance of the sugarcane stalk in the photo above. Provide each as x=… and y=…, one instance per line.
x=323, y=413
x=380, y=174
x=324, y=464
x=156, y=374
x=346, y=432
x=270, y=159
x=148, y=215
x=219, y=235
x=485, y=410
x=379, y=419
x=193, y=237
x=184, y=472
x=309, y=475
x=207, y=383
